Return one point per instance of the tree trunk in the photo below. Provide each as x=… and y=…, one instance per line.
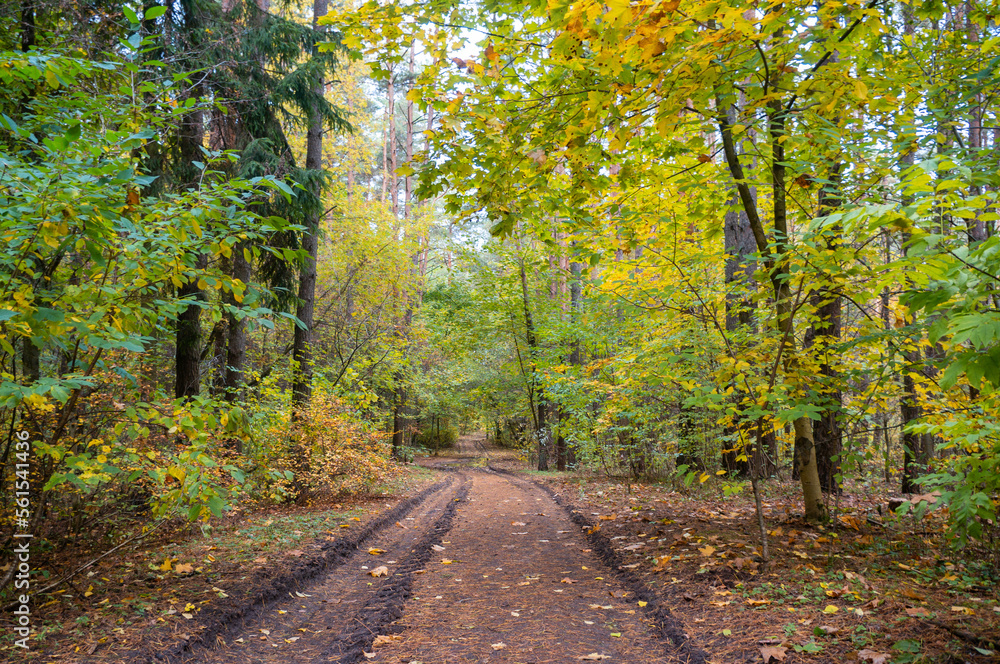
x=236, y=346
x=27, y=25
x=187, y=354
x=739, y=247
x=827, y=329
x=393, y=189
x=805, y=451
x=302, y=343
x=540, y=406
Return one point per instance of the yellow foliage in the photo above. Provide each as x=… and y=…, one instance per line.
x=331, y=449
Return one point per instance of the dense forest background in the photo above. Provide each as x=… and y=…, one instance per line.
x=259, y=252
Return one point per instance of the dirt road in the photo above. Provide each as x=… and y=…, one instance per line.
x=487, y=567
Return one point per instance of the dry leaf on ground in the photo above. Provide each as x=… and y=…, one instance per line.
x=380, y=571
x=773, y=654
x=874, y=657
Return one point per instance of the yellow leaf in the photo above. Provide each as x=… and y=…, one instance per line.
x=704, y=478
x=830, y=608
x=642, y=604
x=446, y=561
x=706, y=550
x=167, y=564
x=376, y=552
x=963, y=609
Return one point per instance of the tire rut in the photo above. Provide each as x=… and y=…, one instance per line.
x=524, y=588
x=669, y=627
x=307, y=609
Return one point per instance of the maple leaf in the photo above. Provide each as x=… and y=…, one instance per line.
x=773, y=653
x=874, y=657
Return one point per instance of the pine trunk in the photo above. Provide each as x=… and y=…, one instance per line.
x=302, y=342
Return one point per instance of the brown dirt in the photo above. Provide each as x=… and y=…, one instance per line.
x=488, y=569
x=490, y=565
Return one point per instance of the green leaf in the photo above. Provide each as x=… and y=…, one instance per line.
x=155, y=12
x=907, y=645
x=132, y=17
x=216, y=504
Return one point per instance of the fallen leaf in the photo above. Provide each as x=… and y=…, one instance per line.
x=773, y=654
x=620, y=593
x=567, y=580
x=498, y=646
x=165, y=567
x=874, y=657
x=758, y=602
x=446, y=561
x=603, y=607
x=706, y=550
x=963, y=609
x=184, y=568
x=383, y=639
x=380, y=571
x=830, y=609
x=593, y=657
x=912, y=594
x=437, y=547
x=518, y=523
x=368, y=655
x=376, y=552
x=918, y=612
x=642, y=604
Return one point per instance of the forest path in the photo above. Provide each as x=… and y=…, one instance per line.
x=489, y=568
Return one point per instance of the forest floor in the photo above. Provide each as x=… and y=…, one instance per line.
x=470, y=558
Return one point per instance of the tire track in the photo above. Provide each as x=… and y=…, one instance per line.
x=228, y=622
x=388, y=604
x=667, y=625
